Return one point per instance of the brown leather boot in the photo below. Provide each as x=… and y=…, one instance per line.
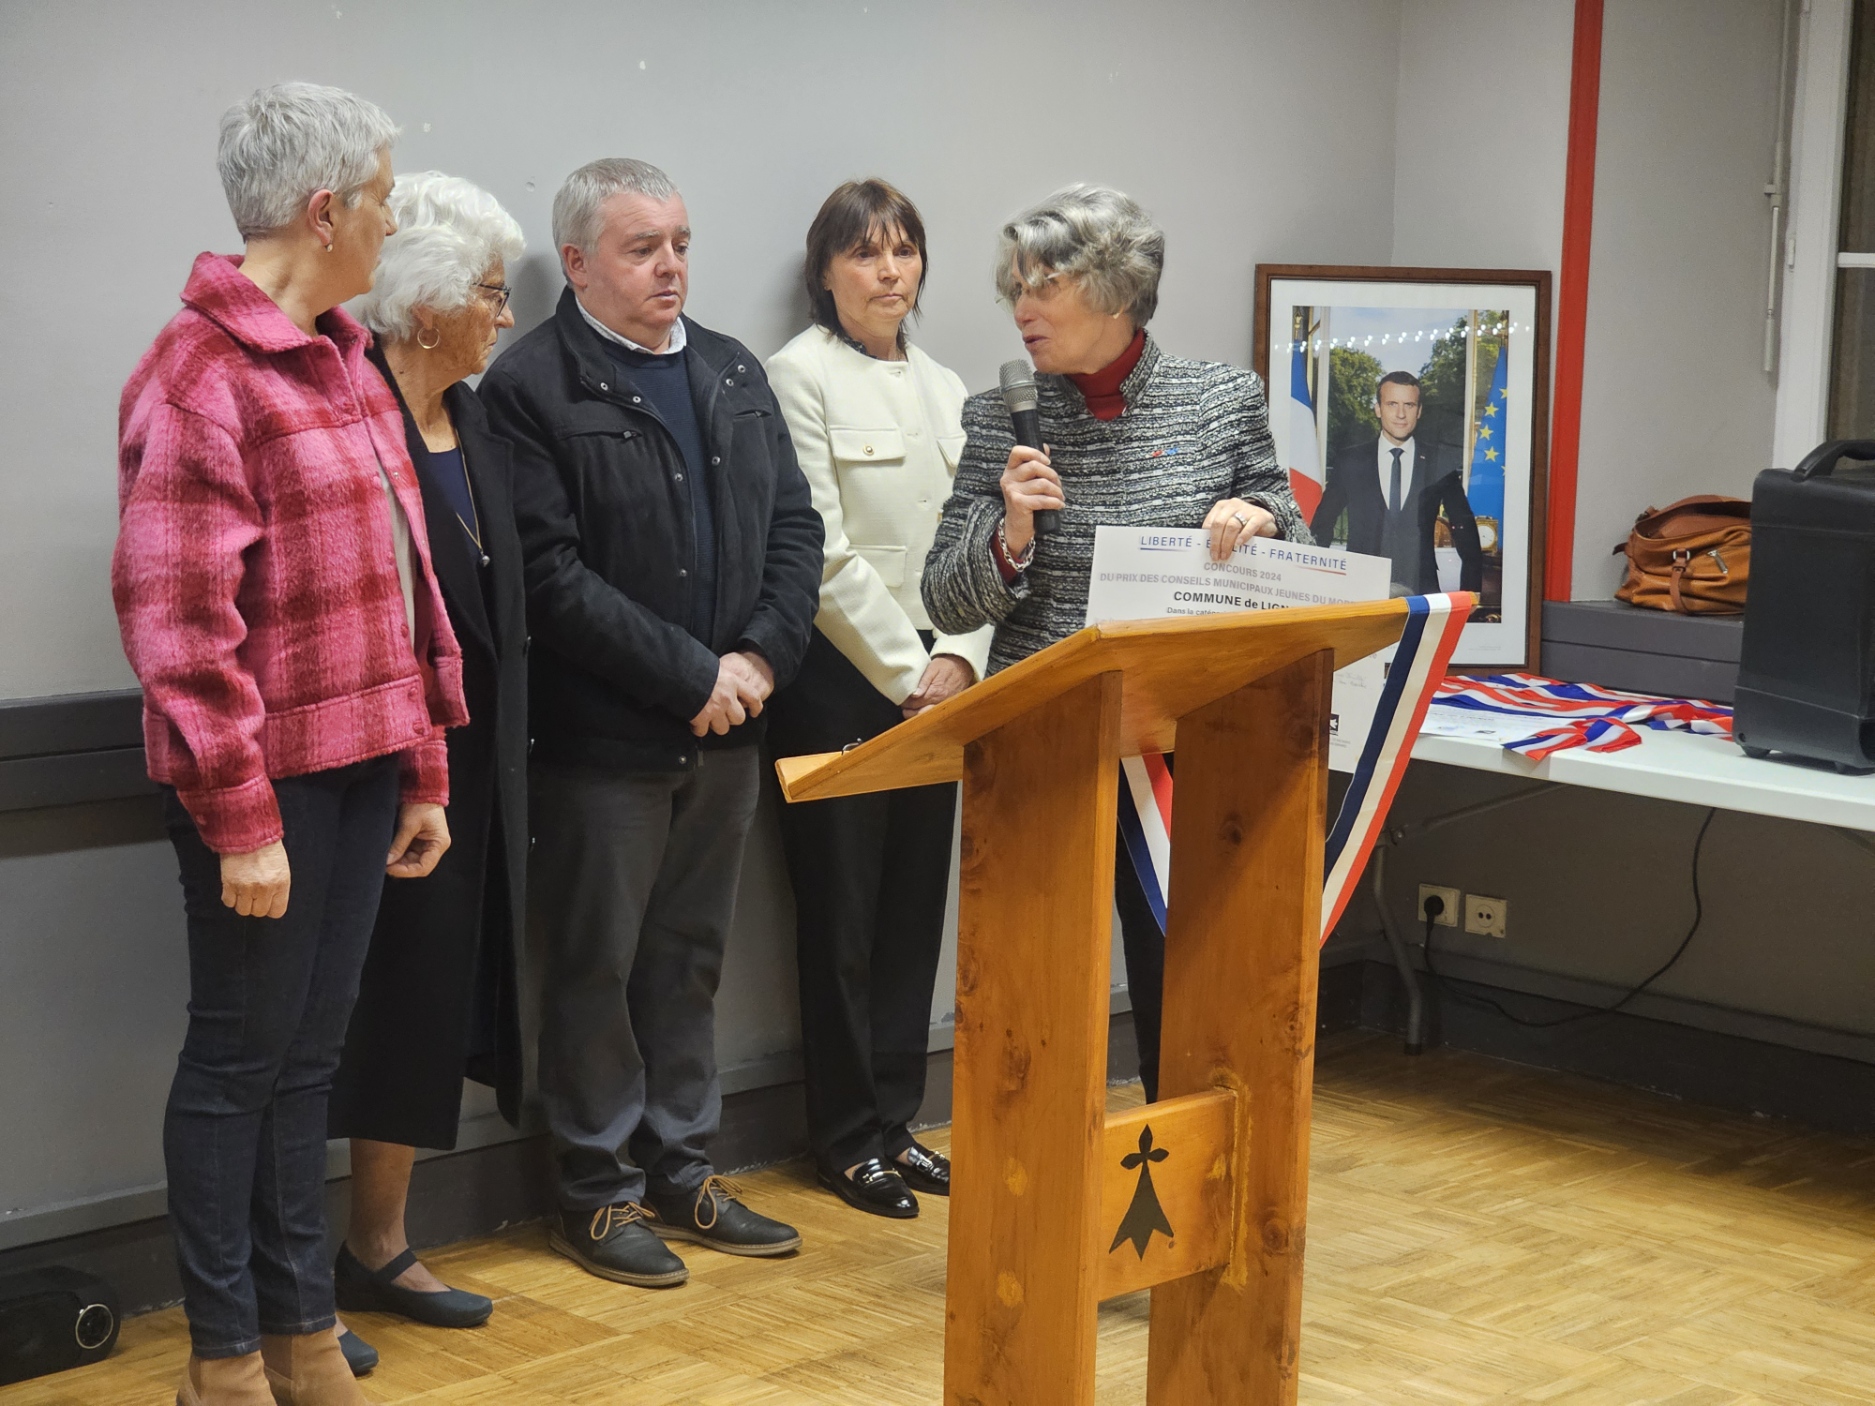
x=225, y=1381
x=310, y=1370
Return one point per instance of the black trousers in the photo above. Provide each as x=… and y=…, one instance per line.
x=1145, y=964
x=871, y=875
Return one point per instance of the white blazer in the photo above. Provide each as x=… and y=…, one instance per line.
x=879, y=443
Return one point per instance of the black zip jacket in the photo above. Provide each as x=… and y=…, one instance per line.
x=606, y=528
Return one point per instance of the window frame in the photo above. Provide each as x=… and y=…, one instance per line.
x=1812, y=237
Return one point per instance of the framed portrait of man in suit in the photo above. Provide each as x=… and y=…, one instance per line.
x=1410, y=407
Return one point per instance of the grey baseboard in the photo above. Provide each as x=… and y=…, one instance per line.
x=1717, y=1068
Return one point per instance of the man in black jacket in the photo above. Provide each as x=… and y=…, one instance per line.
x=1393, y=488
x=673, y=573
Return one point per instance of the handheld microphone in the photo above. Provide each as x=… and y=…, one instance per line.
x=1020, y=398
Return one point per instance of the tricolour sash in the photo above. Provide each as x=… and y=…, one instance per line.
x=1433, y=627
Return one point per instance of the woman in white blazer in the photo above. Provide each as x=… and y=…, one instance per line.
x=876, y=428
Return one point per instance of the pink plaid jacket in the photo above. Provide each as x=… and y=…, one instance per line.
x=254, y=576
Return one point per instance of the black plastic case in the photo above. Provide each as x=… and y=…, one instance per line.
x=1806, y=672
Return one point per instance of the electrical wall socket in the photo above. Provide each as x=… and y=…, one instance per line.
x=1485, y=917
x=1449, y=897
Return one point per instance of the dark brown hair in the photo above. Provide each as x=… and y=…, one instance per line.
x=853, y=213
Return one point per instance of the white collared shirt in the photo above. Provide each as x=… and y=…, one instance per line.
x=1386, y=469
x=677, y=342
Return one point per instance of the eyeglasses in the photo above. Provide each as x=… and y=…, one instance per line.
x=502, y=293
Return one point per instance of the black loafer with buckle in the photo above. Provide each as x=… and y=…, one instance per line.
x=924, y=1170
x=711, y=1215
x=616, y=1243
x=873, y=1187
x=362, y=1290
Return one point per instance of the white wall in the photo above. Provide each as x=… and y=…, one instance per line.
x=1481, y=133
x=1675, y=399
x=1208, y=111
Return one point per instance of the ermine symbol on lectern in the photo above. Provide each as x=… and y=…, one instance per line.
x=1145, y=1215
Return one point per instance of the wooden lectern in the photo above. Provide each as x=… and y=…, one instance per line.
x=1201, y=1196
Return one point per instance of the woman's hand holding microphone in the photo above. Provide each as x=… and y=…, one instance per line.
x=1030, y=485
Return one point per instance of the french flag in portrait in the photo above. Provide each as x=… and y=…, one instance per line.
x=1433, y=627
x=1305, y=459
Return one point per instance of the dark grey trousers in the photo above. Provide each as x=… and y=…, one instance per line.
x=631, y=887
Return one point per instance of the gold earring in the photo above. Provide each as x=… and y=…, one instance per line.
x=430, y=346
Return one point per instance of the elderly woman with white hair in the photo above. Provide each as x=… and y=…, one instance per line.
x=1134, y=437
x=438, y=996
x=276, y=599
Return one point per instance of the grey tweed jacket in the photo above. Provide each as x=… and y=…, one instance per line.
x=1193, y=432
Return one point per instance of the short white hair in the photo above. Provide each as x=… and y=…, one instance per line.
x=286, y=142
x=449, y=234
x=576, y=217
x=1097, y=235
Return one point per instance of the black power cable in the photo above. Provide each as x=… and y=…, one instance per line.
x=1434, y=906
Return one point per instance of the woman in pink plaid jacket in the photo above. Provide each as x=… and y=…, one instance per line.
x=274, y=590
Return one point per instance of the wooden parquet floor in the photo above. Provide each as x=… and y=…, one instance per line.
x=1479, y=1232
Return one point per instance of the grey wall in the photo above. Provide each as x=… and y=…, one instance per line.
x=1208, y=110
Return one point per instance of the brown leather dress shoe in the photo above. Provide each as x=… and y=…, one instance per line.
x=309, y=1369
x=225, y=1381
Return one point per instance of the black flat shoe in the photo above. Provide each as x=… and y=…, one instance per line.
x=360, y=1356
x=873, y=1187
x=924, y=1170
x=361, y=1290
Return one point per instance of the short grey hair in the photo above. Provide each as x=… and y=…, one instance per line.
x=289, y=141
x=449, y=234
x=1094, y=234
x=576, y=218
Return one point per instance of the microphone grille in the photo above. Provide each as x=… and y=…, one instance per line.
x=1018, y=383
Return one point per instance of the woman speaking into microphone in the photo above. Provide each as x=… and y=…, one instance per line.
x=1134, y=438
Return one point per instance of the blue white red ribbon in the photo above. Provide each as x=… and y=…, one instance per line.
x=1433, y=627
x=1586, y=715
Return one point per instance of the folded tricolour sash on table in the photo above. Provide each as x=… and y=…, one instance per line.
x=1432, y=631
x=1564, y=715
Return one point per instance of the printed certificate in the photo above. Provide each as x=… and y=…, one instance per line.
x=1150, y=573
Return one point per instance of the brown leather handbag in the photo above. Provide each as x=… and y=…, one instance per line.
x=1693, y=557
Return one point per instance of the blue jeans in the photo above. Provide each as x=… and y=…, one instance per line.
x=244, y=1137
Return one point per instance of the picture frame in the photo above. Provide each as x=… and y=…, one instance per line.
x=1452, y=486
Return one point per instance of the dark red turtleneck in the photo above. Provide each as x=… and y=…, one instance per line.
x=1101, y=389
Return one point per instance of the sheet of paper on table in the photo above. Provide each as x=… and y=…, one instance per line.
x=1442, y=720
x=1151, y=573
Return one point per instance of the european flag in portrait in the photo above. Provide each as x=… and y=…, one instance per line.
x=1485, y=489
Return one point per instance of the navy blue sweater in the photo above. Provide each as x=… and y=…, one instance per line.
x=665, y=381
